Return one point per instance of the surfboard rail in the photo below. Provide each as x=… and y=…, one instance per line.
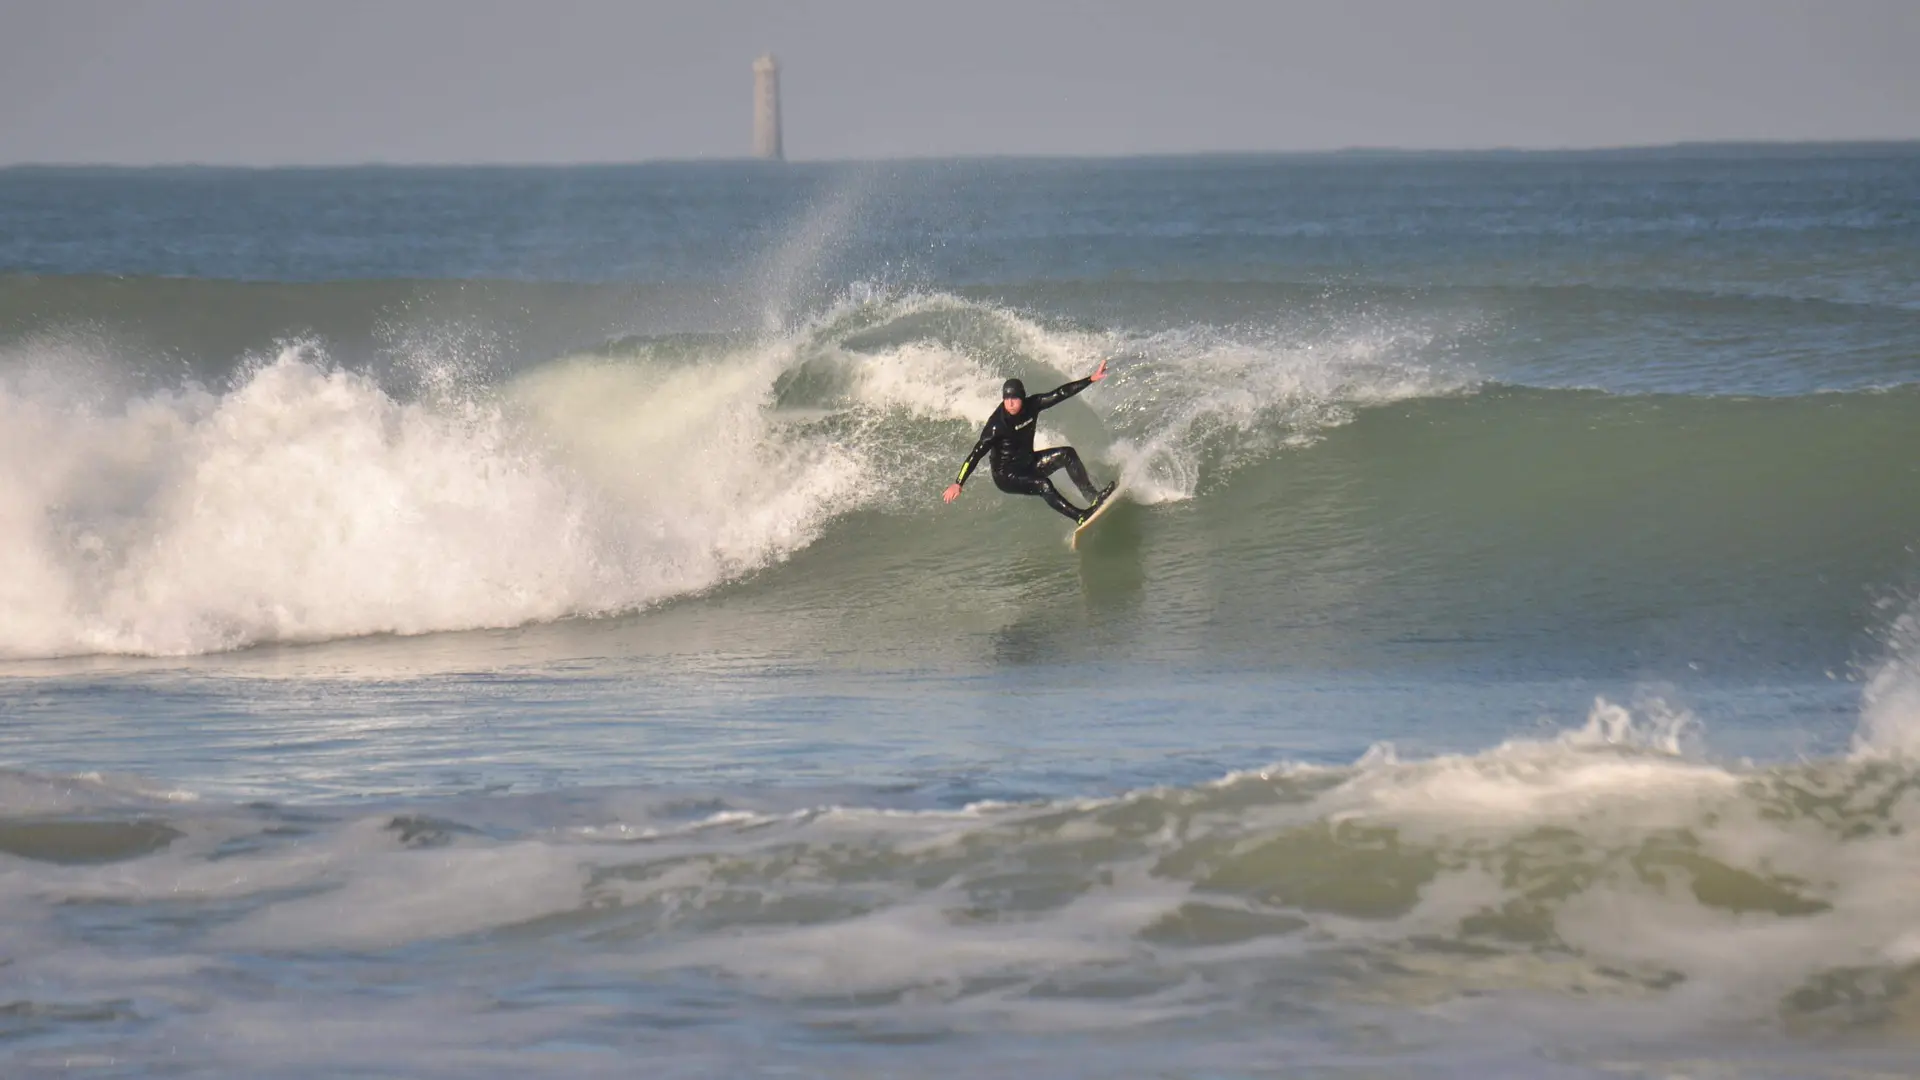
x=1107, y=499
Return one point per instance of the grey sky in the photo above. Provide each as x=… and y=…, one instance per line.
x=327, y=81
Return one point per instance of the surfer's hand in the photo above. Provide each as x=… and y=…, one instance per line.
x=953, y=492
x=1099, y=372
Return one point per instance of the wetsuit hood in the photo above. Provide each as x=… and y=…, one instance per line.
x=1014, y=388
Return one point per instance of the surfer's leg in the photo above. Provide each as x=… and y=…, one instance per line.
x=1037, y=485
x=1065, y=457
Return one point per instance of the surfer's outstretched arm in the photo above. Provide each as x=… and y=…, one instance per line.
x=1061, y=393
x=988, y=435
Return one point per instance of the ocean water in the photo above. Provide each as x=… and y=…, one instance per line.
x=503, y=623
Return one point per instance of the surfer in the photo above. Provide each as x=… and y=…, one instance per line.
x=1017, y=469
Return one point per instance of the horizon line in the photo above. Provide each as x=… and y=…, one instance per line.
x=1358, y=150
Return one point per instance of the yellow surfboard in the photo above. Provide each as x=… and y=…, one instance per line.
x=1106, y=502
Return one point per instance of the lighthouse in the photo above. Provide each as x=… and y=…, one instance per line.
x=766, y=109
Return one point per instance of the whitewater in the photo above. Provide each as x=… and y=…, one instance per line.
x=538, y=647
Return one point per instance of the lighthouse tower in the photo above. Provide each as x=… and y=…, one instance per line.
x=766, y=109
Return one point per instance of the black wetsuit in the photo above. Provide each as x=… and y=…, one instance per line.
x=1017, y=469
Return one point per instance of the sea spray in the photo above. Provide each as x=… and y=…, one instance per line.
x=1890, y=702
x=1199, y=402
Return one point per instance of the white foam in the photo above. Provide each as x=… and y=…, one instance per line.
x=1640, y=820
x=1173, y=400
x=900, y=946
x=306, y=503
x=395, y=897
x=1562, y=780
x=930, y=381
x=1606, y=826
x=1609, y=834
x=1199, y=392
x=1890, y=704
